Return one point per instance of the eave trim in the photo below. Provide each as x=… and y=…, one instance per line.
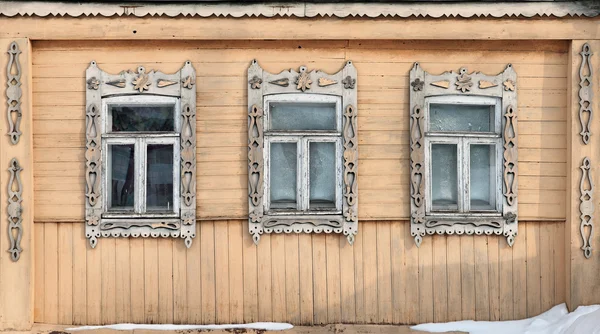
x=304, y=10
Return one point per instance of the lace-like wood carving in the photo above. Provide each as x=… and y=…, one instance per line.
x=501, y=86
x=13, y=93
x=100, y=84
x=586, y=207
x=15, y=219
x=342, y=84
x=585, y=93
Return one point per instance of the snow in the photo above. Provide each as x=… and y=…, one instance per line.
x=557, y=320
x=270, y=326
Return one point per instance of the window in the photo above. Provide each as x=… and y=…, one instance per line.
x=302, y=154
x=463, y=153
x=140, y=158
x=141, y=147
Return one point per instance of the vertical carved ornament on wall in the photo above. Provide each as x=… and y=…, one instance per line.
x=181, y=85
x=15, y=197
x=501, y=86
x=13, y=93
x=343, y=84
x=585, y=93
x=586, y=207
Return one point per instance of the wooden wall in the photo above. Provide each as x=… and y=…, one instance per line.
x=302, y=279
x=383, y=66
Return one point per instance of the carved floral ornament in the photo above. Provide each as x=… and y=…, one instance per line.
x=341, y=84
x=15, y=218
x=501, y=86
x=100, y=85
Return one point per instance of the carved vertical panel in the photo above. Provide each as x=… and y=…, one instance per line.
x=350, y=135
x=510, y=154
x=13, y=93
x=417, y=155
x=188, y=153
x=586, y=207
x=93, y=154
x=305, y=81
x=585, y=93
x=15, y=197
x=255, y=151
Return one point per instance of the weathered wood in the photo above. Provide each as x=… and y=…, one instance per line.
x=427, y=88
x=103, y=88
x=261, y=219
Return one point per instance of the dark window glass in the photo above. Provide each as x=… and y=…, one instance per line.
x=283, y=175
x=159, y=178
x=322, y=175
x=122, y=183
x=142, y=118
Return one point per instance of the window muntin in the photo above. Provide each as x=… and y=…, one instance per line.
x=465, y=167
x=152, y=172
x=304, y=164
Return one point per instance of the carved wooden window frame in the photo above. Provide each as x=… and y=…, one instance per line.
x=287, y=85
x=463, y=86
x=141, y=86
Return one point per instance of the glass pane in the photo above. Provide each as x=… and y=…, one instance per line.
x=322, y=175
x=283, y=175
x=483, y=177
x=122, y=177
x=142, y=118
x=303, y=116
x=444, y=183
x=159, y=178
x=458, y=117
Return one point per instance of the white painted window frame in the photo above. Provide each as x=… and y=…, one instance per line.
x=303, y=140
x=463, y=140
x=140, y=140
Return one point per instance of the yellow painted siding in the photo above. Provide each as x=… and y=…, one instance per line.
x=383, y=66
x=303, y=279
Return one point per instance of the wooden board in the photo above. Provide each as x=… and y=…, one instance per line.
x=58, y=118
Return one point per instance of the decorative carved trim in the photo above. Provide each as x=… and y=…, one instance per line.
x=442, y=84
x=510, y=152
x=483, y=84
x=281, y=82
x=15, y=220
x=340, y=84
x=435, y=85
x=179, y=85
x=93, y=83
x=303, y=80
x=119, y=83
x=417, y=172
x=586, y=93
x=586, y=207
x=13, y=93
x=306, y=9
x=255, y=82
x=350, y=207
x=324, y=82
x=509, y=85
x=142, y=81
x=417, y=85
x=463, y=81
x=349, y=82
x=165, y=83
x=188, y=82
